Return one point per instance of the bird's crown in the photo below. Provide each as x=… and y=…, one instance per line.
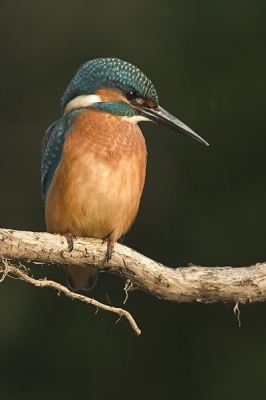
x=110, y=73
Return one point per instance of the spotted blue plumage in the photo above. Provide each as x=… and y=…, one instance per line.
x=52, y=147
x=109, y=73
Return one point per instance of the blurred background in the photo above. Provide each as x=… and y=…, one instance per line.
x=207, y=61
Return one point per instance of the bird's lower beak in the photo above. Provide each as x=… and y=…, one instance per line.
x=163, y=117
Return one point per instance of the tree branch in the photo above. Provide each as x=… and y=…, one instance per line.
x=184, y=284
x=22, y=273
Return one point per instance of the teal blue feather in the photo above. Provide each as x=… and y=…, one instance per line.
x=109, y=73
x=52, y=147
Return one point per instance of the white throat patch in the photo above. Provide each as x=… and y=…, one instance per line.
x=135, y=119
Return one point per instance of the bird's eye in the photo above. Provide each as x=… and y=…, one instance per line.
x=130, y=95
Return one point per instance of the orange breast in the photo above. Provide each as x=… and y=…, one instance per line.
x=97, y=186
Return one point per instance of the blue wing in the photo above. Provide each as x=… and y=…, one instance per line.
x=52, y=147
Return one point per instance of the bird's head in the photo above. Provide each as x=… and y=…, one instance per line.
x=118, y=87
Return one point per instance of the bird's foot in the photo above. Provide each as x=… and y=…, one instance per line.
x=70, y=240
x=110, y=248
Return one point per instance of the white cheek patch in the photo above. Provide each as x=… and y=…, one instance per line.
x=90, y=99
x=81, y=102
x=135, y=119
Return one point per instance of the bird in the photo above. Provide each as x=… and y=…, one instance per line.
x=94, y=156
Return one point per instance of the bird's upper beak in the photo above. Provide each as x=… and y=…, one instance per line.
x=163, y=117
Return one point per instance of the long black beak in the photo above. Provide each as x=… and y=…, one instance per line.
x=163, y=117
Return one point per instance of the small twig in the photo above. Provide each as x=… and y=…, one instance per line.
x=11, y=269
x=237, y=313
x=4, y=270
x=128, y=285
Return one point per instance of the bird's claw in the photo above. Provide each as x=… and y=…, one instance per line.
x=110, y=248
x=70, y=240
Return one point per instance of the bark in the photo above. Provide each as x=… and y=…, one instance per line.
x=181, y=284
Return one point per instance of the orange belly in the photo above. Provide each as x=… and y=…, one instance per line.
x=97, y=186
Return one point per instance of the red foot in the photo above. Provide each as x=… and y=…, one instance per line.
x=110, y=248
x=70, y=240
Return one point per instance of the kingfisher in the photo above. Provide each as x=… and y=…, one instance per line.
x=94, y=156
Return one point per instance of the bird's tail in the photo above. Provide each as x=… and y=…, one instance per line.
x=81, y=278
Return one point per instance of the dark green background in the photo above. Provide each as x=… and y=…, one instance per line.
x=207, y=60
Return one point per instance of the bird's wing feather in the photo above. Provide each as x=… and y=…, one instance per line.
x=52, y=147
